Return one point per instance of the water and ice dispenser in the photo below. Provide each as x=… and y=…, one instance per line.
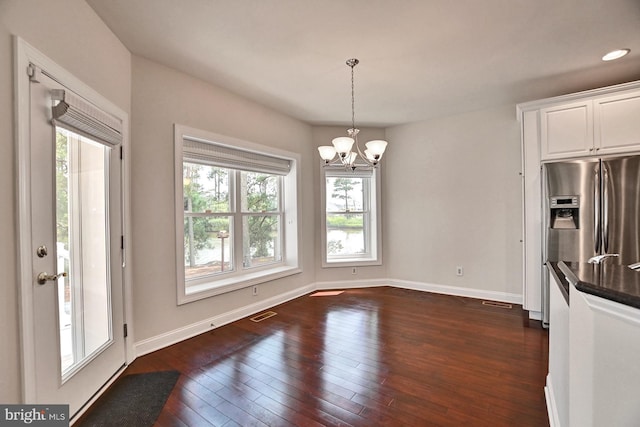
x=564, y=212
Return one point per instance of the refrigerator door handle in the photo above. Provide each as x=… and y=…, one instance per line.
x=596, y=212
x=605, y=210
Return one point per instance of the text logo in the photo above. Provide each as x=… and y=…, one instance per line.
x=34, y=415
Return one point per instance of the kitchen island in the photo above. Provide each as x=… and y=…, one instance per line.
x=594, y=345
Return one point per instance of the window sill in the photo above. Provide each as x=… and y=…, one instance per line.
x=230, y=284
x=351, y=262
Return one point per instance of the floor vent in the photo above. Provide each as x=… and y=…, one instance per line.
x=263, y=316
x=497, y=304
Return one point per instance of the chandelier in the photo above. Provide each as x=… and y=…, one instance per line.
x=343, y=145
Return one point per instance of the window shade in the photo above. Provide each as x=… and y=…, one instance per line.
x=341, y=172
x=229, y=157
x=78, y=115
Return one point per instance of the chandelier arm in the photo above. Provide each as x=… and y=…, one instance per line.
x=362, y=155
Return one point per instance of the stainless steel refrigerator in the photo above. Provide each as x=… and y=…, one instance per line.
x=591, y=212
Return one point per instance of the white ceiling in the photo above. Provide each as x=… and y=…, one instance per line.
x=418, y=58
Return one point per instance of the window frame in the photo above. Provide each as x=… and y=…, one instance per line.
x=371, y=208
x=289, y=212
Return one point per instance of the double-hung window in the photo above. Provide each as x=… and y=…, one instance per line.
x=351, y=218
x=236, y=211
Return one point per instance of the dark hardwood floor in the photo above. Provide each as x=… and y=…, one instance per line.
x=366, y=357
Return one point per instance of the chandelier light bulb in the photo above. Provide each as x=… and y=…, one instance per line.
x=343, y=144
x=327, y=152
x=369, y=155
x=352, y=158
x=376, y=147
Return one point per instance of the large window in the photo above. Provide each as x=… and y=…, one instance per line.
x=351, y=219
x=236, y=214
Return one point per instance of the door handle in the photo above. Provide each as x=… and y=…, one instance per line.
x=597, y=234
x=44, y=277
x=605, y=210
x=599, y=259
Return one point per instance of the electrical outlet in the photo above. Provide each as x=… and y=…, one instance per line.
x=354, y=271
x=255, y=290
x=459, y=271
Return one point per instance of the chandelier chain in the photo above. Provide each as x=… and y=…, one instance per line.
x=353, y=101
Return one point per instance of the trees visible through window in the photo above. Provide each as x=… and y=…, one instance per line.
x=350, y=218
x=231, y=204
x=210, y=215
x=207, y=220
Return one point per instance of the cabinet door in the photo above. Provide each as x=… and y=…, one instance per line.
x=532, y=214
x=567, y=130
x=558, y=379
x=617, y=124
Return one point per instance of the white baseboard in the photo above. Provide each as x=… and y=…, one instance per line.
x=458, y=291
x=352, y=284
x=552, y=409
x=171, y=337
x=168, y=338
x=535, y=315
x=424, y=287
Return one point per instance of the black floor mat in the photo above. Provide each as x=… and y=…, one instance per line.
x=134, y=401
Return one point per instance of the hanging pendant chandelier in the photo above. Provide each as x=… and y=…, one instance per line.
x=343, y=145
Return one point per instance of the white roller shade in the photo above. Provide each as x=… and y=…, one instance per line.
x=361, y=171
x=213, y=154
x=78, y=115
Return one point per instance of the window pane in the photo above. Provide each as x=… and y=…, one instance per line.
x=82, y=247
x=345, y=194
x=260, y=192
x=206, y=188
x=345, y=234
x=207, y=245
x=262, y=239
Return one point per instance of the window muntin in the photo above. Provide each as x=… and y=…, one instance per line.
x=239, y=200
x=350, y=220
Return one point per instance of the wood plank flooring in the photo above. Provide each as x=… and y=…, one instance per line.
x=367, y=357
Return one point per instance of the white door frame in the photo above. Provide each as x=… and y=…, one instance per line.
x=24, y=54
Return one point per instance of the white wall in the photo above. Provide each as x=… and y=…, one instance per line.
x=162, y=97
x=453, y=197
x=451, y=190
x=70, y=33
x=322, y=135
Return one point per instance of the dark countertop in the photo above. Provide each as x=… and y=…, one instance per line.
x=561, y=279
x=614, y=282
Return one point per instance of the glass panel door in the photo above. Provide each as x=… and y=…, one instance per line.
x=82, y=248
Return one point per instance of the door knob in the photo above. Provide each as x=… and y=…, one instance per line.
x=44, y=277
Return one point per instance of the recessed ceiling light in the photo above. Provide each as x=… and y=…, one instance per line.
x=615, y=54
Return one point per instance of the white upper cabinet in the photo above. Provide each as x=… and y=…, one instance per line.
x=566, y=130
x=617, y=123
x=594, y=125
